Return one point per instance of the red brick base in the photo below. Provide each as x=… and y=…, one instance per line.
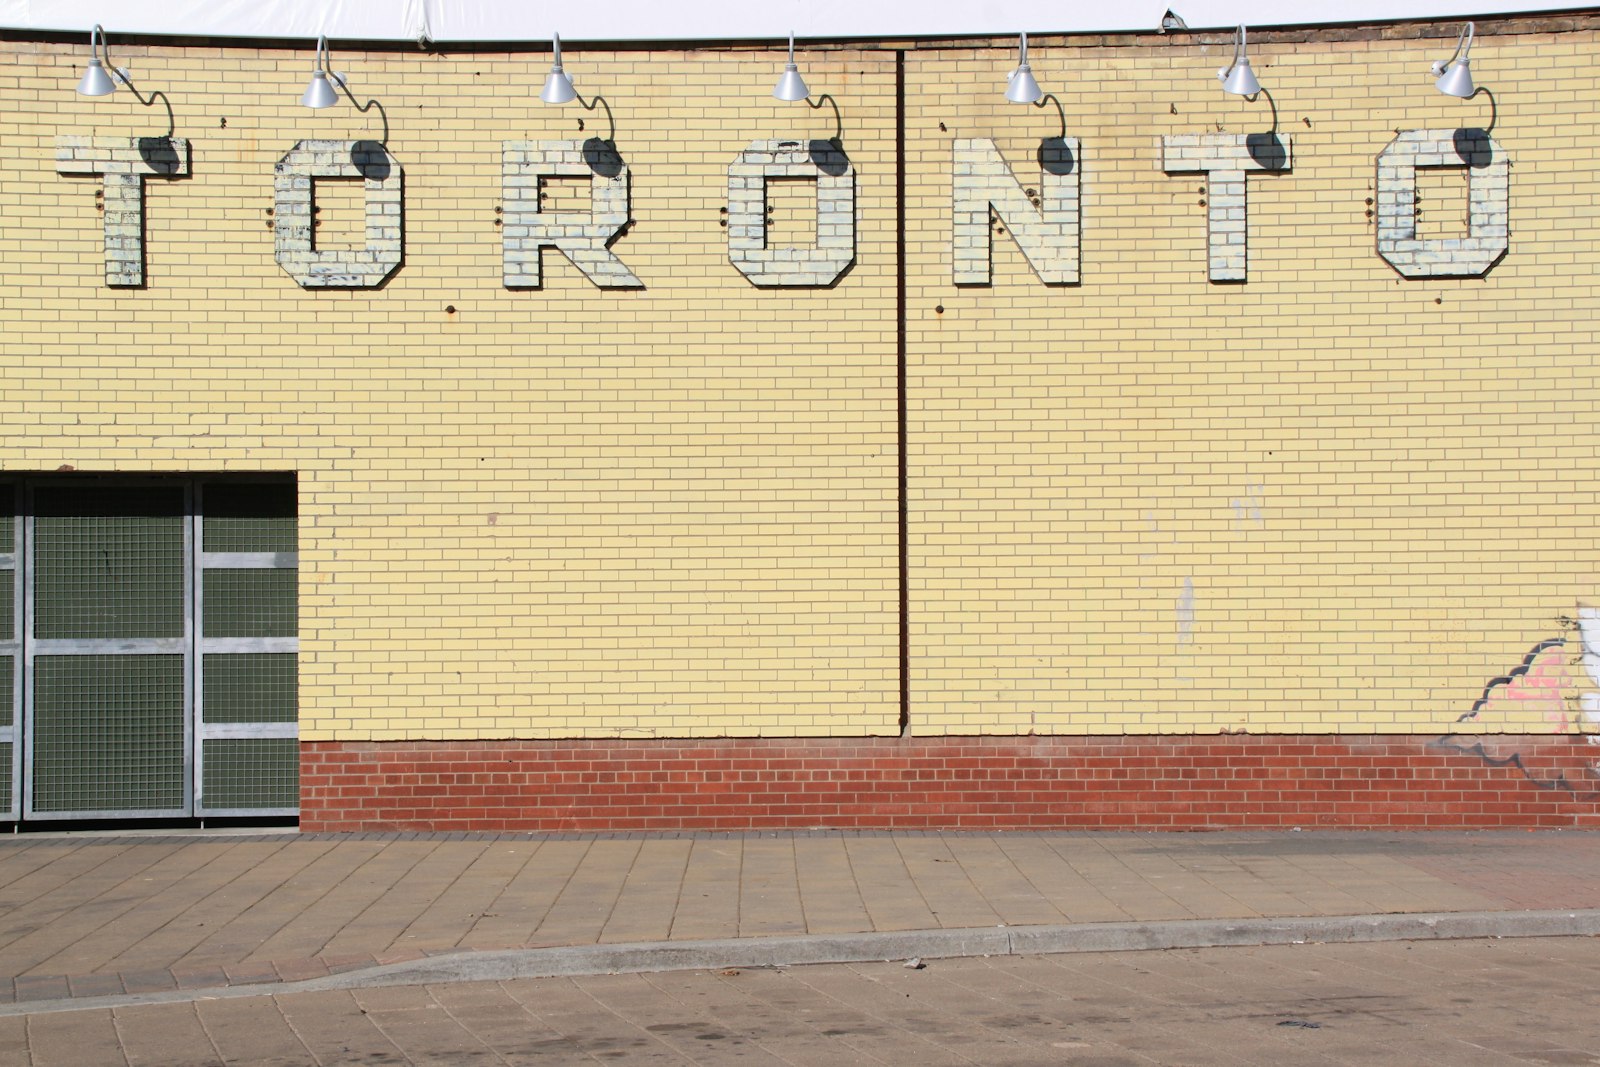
x=1143, y=783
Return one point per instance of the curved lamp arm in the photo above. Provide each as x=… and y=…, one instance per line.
x=838, y=120
x=97, y=37
x=558, y=89
x=1237, y=77
x=1463, y=49
x=1059, y=110
x=1455, y=73
x=323, y=62
x=1240, y=43
x=600, y=101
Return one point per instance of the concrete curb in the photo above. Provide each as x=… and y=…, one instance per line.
x=575, y=961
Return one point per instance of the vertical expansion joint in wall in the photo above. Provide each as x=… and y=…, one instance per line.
x=901, y=421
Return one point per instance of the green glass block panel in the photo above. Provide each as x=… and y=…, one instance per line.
x=108, y=562
x=8, y=800
x=250, y=772
x=250, y=517
x=8, y=690
x=250, y=603
x=251, y=687
x=108, y=733
x=8, y=521
x=8, y=605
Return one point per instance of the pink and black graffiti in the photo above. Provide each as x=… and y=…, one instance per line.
x=1543, y=682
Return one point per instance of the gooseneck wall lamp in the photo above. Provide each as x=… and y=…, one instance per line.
x=320, y=91
x=1454, y=74
x=558, y=89
x=1237, y=77
x=1021, y=88
x=791, y=86
x=96, y=81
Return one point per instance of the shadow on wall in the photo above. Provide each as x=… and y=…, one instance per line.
x=1055, y=156
x=161, y=154
x=1267, y=150
x=602, y=157
x=371, y=160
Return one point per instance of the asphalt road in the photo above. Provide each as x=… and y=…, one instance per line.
x=1532, y=1000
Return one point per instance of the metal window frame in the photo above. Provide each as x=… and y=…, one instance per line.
x=201, y=730
x=33, y=648
x=12, y=734
x=193, y=646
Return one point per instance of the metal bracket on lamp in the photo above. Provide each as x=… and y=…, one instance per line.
x=1237, y=77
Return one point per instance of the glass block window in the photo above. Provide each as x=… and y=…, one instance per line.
x=108, y=733
x=248, y=756
x=8, y=689
x=10, y=647
x=250, y=517
x=250, y=687
x=250, y=603
x=109, y=563
x=252, y=772
x=157, y=673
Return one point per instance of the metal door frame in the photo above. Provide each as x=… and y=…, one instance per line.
x=193, y=646
x=200, y=730
x=12, y=489
x=33, y=647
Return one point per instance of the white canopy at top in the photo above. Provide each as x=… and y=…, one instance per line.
x=654, y=20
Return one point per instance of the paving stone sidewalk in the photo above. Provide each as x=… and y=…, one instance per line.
x=1461, y=1004
x=88, y=915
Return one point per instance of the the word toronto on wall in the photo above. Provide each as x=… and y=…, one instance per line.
x=983, y=180
x=1152, y=426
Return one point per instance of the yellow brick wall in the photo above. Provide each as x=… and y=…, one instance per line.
x=1381, y=492
x=565, y=512
x=672, y=512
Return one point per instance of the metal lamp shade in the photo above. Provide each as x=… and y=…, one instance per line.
x=1242, y=80
x=558, y=87
x=791, y=86
x=96, y=82
x=320, y=92
x=1022, y=89
x=1456, y=80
